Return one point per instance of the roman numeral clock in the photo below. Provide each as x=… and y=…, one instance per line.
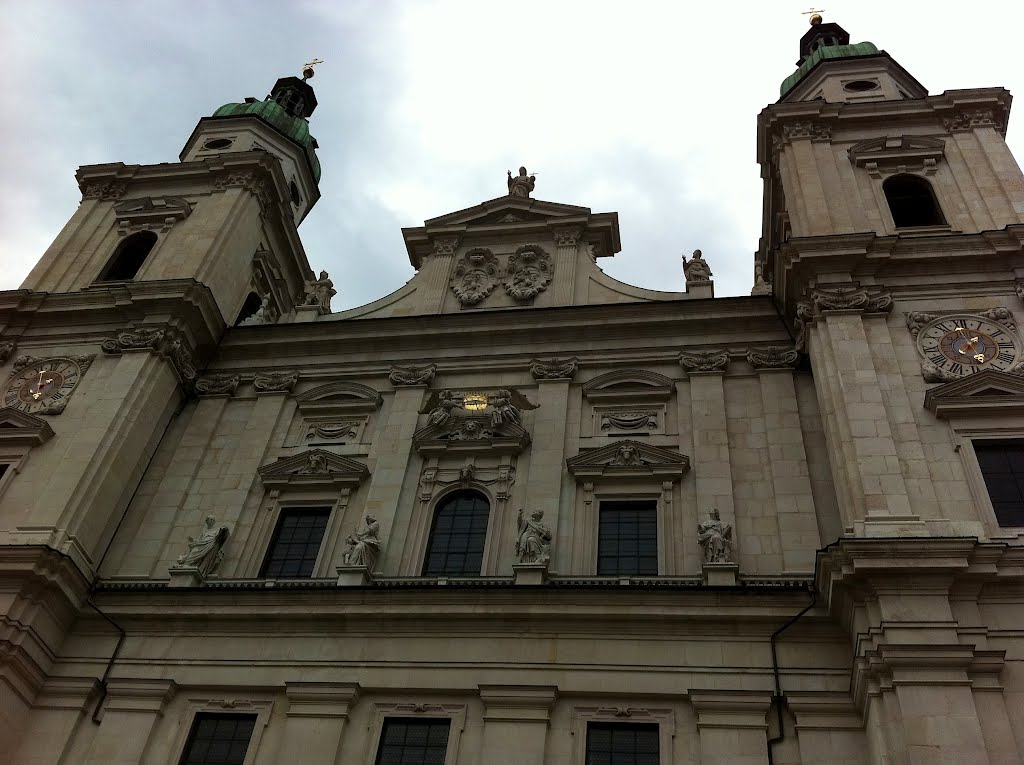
x=957, y=345
x=43, y=385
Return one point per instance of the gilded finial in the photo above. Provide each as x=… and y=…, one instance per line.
x=815, y=14
x=307, y=69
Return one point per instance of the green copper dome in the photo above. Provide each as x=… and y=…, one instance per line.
x=271, y=112
x=822, y=53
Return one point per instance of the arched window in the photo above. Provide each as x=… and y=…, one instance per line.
x=912, y=201
x=129, y=257
x=249, y=307
x=456, y=545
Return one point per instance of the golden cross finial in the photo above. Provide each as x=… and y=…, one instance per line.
x=307, y=69
x=815, y=14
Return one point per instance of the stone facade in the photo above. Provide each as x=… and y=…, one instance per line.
x=865, y=607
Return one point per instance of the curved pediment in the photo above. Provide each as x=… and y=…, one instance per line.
x=339, y=398
x=630, y=385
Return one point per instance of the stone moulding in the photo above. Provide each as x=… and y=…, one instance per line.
x=628, y=459
x=217, y=384
x=412, y=375
x=338, y=399
x=773, y=358
x=990, y=393
x=898, y=154
x=19, y=428
x=704, y=361
x=150, y=212
x=554, y=369
x=313, y=468
x=629, y=386
x=275, y=382
x=165, y=341
x=964, y=120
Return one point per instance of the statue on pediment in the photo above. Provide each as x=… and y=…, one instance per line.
x=521, y=185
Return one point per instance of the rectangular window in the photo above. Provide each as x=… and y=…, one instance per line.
x=622, y=744
x=413, y=742
x=218, y=739
x=627, y=539
x=296, y=542
x=1002, y=464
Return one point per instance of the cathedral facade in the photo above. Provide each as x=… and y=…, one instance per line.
x=518, y=512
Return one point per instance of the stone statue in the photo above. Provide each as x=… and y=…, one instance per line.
x=317, y=465
x=205, y=552
x=696, y=269
x=319, y=292
x=627, y=455
x=265, y=314
x=503, y=410
x=715, y=538
x=534, y=542
x=522, y=184
x=761, y=287
x=446, y=403
x=364, y=545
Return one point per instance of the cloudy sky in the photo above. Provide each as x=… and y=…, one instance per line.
x=646, y=108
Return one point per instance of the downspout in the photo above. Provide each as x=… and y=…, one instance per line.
x=778, y=698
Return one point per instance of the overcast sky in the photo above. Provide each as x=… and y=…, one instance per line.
x=645, y=108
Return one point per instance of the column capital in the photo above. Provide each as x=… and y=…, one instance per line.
x=518, y=703
x=553, y=369
x=696, y=362
x=321, y=699
x=731, y=709
x=128, y=695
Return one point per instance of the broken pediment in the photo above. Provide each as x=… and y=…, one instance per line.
x=339, y=398
x=19, y=429
x=151, y=212
x=986, y=393
x=471, y=434
x=630, y=385
x=314, y=468
x=628, y=459
x=898, y=154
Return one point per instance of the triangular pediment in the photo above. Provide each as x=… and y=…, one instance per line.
x=20, y=428
x=987, y=393
x=472, y=434
x=495, y=211
x=339, y=398
x=312, y=468
x=628, y=459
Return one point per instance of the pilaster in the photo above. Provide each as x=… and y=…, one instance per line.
x=516, y=719
x=57, y=711
x=315, y=720
x=130, y=713
x=567, y=241
x=733, y=726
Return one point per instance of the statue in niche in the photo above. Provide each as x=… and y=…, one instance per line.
x=715, y=538
x=522, y=184
x=363, y=545
x=696, y=269
x=446, y=404
x=207, y=551
x=534, y=542
x=319, y=292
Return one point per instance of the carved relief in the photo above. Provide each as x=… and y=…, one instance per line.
x=253, y=182
x=916, y=321
x=567, y=236
x=630, y=420
x=1020, y=290
x=316, y=464
x=851, y=297
x=166, y=342
x=6, y=350
x=626, y=455
x=274, y=382
x=812, y=129
x=528, y=273
x=103, y=190
x=934, y=374
x=412, y=375
x=553, y=369
x=704, y=361
x=968, y=119
x=476, y=274
x=1000, y=315
x=773, y=358
x=445, y=245
x=159, y=213
x=217, y=384
x=470, y=429
x=333, y=431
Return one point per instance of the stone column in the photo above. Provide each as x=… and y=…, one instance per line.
x=566, y=255
x=873, y=495
x=516, y=721
x=547, y=449
x=130, y=713
x=829, y=729
x=791, y=485
x=56, y=711
x=315, y=721
x=389, y=456
x=733, y=726
x=712, y=467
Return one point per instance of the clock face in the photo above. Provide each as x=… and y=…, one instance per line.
x=42, y=385
x=963, y=345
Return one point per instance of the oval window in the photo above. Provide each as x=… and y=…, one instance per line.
x=217, y=143
x=294, y=191
x=861, y=86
